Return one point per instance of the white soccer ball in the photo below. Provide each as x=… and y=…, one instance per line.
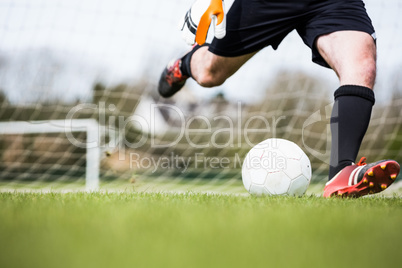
x=276, y=167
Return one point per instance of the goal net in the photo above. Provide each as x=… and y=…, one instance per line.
x=99, y=62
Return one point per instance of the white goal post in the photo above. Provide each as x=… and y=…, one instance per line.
x=89, y=126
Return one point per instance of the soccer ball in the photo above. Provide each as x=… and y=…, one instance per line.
x=276, y=167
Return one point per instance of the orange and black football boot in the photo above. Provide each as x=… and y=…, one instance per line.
x=172, y=79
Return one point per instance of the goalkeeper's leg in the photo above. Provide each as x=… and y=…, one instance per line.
x=210, y=70
x=352, y=55
x=206, y=68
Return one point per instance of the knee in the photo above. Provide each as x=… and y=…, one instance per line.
x=210, y=74
x=210, y=78
x=371, y=70
x=210, y=70
x=368, y=71
x=361, y=72
x=366, y=63
x=352, y=55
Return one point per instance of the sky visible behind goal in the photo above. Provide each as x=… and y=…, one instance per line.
x=123, y=41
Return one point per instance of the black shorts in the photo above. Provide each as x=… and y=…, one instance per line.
x=255, y=24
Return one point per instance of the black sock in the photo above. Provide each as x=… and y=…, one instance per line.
x=186, y=60
x=349, y=121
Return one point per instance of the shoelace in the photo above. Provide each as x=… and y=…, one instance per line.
x=362, y=161
x=177, y=75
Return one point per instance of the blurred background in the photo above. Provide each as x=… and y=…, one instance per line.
x=106, y=58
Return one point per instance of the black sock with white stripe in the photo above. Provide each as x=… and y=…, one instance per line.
x=349, y=121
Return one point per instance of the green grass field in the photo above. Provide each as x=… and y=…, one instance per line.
x=130, y=229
